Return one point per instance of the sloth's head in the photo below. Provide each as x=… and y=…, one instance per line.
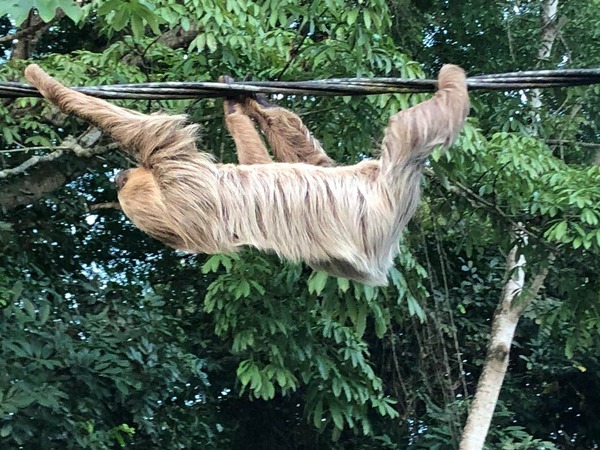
x=137, y=190
x=141, y=200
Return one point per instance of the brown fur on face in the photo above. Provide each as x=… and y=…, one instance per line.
x=141, y=200
x=345, y=220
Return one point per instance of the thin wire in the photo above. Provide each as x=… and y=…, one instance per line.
x=331, y=87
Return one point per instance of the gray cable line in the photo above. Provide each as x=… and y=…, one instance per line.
x=331, y=87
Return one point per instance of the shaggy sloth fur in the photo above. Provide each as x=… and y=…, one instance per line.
x=345, y=220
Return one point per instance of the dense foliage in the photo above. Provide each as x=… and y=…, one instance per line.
x=110, y=339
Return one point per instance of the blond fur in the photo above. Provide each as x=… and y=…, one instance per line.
x=345, y=220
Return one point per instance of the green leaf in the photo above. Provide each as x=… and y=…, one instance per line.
x=336, y=415
x=561, y=230
x=17, y=290
x=44, y=313
x=29, y=308
x=361, y=319
x=318, y=415
x=255, y=379
x=268, y=391
x=367, y=18
x=185, y=24
x=46, y=9
x=72, y=10
x=17, y=9
x=380, y=323
x=211, y=42
x=212, y=263
x=281, y=378
x=371, y=292
x=589, y=216
x=109, y=6
x=343, y=284
x=415, y=309
x=153, y=23
x=569, y=349
x=120, y=19
x=352, y=16
x=200, y=44
x=137, y=26
x=317, y=282
x=245, y=371
x=323, y=367
x=337, y=387
x=7, y=134
x=5, y=430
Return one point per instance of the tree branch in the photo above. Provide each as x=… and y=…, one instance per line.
x=50, y=172
x=174, y=38
x=566, y=142
x=476, y=200
x=69, y=144
x=107, y=205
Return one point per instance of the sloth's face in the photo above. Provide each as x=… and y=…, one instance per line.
x=141, y=200
x=137, y=190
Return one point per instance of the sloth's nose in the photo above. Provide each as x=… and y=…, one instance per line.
x=121, y=179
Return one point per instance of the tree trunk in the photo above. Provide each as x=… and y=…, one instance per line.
x=550, y=29
x=504, y=325
x=496, y=362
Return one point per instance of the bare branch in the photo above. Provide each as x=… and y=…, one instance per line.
x=107, y=205
x=566, y=142
x=43, y=179
x=48, y=174
x=69, y=144
x=28, y=149
x=22, y=168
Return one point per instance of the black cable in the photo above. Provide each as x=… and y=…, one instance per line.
x=332, y=87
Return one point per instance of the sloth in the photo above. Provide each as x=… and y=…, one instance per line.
x=345, y=220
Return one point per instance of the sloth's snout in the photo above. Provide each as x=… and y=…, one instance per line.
x=121, y=179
